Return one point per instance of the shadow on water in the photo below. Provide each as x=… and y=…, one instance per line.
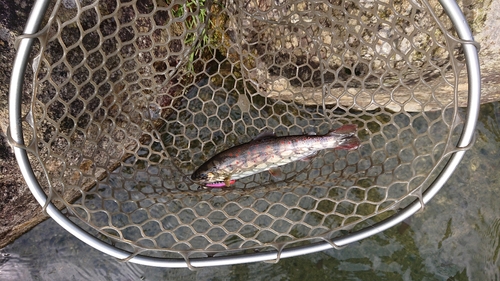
x=456, y=237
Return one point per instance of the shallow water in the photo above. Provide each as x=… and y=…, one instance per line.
x=456, y=237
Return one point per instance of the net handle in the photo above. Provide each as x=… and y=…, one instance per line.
x=15, y=126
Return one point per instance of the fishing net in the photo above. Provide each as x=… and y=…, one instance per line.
x=130, y=97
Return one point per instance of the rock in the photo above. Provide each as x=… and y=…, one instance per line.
x=364, y=64
x=19, y=212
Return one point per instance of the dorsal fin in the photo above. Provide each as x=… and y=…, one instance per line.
x=267, y=134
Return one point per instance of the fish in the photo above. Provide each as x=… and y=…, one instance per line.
x=267, y=152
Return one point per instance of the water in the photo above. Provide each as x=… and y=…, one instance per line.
x=456, y=237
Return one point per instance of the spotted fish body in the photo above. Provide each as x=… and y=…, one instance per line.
x=267, y=153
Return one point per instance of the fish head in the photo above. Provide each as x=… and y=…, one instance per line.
x=205, y=177
x=209, y=173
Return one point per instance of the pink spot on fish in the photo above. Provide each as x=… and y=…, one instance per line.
x=219, y=184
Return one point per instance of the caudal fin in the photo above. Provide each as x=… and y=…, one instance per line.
x=349, y=143
x=348, y=135
x=349, y=129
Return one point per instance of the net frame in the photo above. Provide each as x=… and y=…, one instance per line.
x=16, y=134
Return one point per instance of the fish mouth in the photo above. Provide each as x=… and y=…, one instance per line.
x=210, y=183
x=218, y=184
x=211, y=180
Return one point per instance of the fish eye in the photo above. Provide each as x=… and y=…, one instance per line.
x=203, y=176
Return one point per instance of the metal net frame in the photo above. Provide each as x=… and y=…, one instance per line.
x=129, y=97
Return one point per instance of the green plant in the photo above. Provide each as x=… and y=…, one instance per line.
x=196, y=13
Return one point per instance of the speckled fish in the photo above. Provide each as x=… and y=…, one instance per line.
x=267, y=152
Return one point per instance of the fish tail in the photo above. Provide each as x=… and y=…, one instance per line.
x=347, y=134
x=349, y=130
x=349, y=143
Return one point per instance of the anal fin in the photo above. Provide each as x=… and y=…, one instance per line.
x=276, y=172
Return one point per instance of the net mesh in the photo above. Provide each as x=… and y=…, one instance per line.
x=130, y=97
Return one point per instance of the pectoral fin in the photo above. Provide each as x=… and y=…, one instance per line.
x=228, y=181
x=276, y=172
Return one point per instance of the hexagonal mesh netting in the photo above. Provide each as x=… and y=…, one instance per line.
x=131, y=96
